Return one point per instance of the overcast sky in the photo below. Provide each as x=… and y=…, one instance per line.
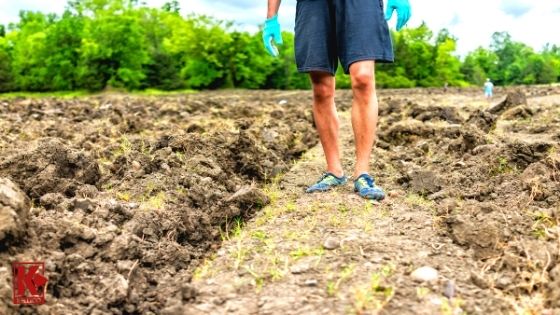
x=535, y=22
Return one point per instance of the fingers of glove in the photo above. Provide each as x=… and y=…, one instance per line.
x=273, y=51
x=278, y=38
x=389, y=13
x=407, y=17
x=401, y=20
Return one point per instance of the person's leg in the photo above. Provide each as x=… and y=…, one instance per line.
x=326, y=119
x=364, y=112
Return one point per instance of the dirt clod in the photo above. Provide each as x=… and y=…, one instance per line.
x=512, y=99
x=51, y=167
x=14, y=208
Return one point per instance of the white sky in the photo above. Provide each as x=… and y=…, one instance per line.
x=534, y=22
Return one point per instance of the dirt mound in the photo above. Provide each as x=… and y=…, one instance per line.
x=470, y=139
x=131, y=194
x=512, y=99
x=484, y=120
x=122, y=222
x=449, y=114
x=408, y=131
x=14, y=208
x=523, y=153
x=518, y=112
x=51, y=167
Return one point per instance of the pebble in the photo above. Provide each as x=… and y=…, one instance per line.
x=299, y=268
x=503, y=282
x=84, y=204
x=311, y=283
x=425, y=274
x=479, y=281
x=449, y=290
x=136, y=165
x=331, y=243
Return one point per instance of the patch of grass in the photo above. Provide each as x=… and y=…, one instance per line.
x=502, y=166
x=204, y=269
x=124, y=196
x=155, y=202
x=259, y=235
x=422, y=292
x=291, y=206
x=345, y=274
x=542, y=222
x=305, y=251
x=453, y=307
x=376, y=294
x=62, y=94
x=156, y=92
x=419, y=201
x=331, y=288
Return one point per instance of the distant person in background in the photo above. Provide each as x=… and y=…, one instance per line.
x=356, y=33
x=488, y=89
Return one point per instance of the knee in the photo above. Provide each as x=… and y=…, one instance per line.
x=362, y=80
x=323, y=91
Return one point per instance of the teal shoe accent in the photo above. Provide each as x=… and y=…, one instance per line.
x=365, y=186
x=327, y=182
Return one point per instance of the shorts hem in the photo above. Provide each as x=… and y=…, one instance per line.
x=376, y=58
x=318, y=69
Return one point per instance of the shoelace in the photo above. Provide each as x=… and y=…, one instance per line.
x=369, y=182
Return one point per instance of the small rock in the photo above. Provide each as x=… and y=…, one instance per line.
x=300, y=268
x=249, y=197
x=311, y=283
x=283, y=102
x=84, y=204
x=479, y=281
x=425, y=274
x=188, y=292
x=14, y=210
x=449, y=290
x=124, y=266
x=331, y=243
x=136, y=165
x=166, y=168
x=51, y=200
x=133, y=205
x=503, y=282
x=393, y=194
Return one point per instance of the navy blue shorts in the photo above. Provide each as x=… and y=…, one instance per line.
x=349, y=30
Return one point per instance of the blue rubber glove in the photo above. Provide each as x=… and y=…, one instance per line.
x=272, y=32
x=403, y=12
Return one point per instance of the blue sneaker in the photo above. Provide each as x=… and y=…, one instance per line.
x=365, y=186
x=326, y=183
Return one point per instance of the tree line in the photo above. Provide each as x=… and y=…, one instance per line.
x=97, y=44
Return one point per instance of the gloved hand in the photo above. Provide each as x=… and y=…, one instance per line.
x=403, y=12
x=272, y=32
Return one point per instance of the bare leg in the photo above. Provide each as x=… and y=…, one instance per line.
x=326, y=119
x=364, y=112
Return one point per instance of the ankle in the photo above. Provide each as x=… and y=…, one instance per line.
x=338, y=173
x=359, y=173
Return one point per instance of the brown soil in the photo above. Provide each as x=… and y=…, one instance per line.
x=132, y=196
x=468, y=197
x=130, y=193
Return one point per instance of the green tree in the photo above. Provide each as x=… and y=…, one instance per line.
x=29, y=51
x=480, y=65
x=6, y=83
x=172, y=6
x=63, y=43
x=113, y=50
